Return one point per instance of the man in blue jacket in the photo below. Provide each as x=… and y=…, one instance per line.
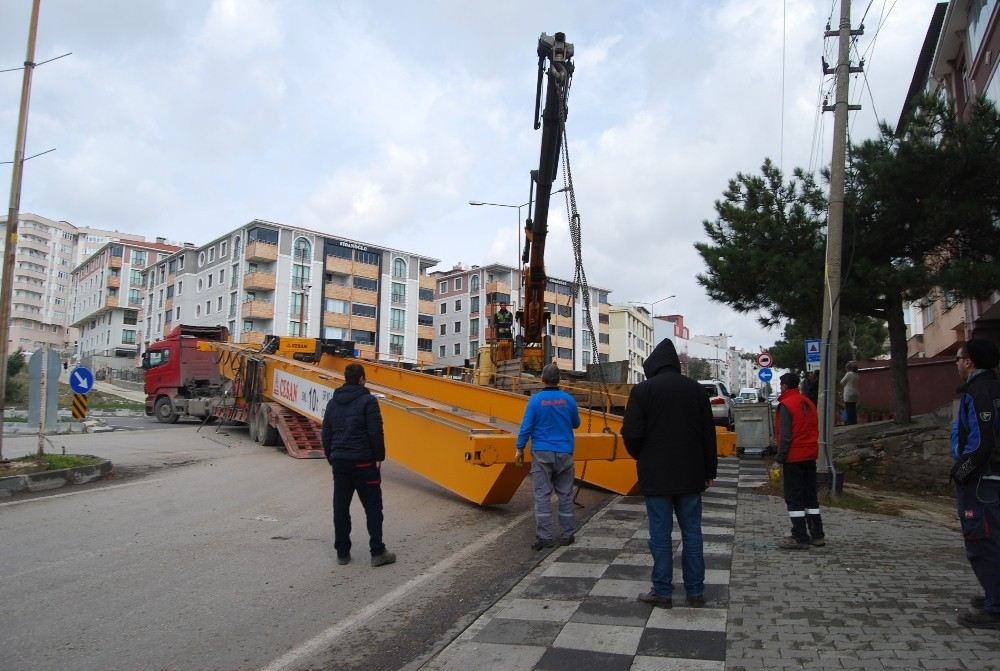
x=669, y=430
x=549, y=421
x=975, y=449
x=355, y=447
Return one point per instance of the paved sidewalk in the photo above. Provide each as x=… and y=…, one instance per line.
x=883, y=594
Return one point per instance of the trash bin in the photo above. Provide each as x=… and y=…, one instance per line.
x=754, y=428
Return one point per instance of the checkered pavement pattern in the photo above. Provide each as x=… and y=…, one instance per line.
x=578, y=609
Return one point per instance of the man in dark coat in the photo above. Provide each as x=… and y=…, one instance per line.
x=669, y=430
x=355, y=447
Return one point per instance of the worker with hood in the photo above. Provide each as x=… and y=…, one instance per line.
x=669, y=430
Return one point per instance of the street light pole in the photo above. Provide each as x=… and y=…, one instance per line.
x=302, y=309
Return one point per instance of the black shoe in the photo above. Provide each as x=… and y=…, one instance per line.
x=569, y=540
x=818, y=541
x=383, y=559
x=696, y=601
x=789, y=543
x=979, y=619
x=542, y=543
x=343, y=560
x=978, y=602
x=655, y=599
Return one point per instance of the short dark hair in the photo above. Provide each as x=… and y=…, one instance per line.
x=354, y=373
x=790, y=379
x=983, y=353
x=550, y=374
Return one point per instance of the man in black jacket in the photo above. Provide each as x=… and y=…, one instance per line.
x=668, y=429
x=355, y=447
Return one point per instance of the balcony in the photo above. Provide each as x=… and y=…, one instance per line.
x=497, y=287
x=334, y=320
x=168, y=306
x=425, y=332
x=363, y=323
x=29, y=299
x=115, y=262
x=366, y=270
x=114, y=282
x=135, y=302
x=335, y=264
x=38, y=246
x=252, y=337
x=258, y=281
x=111, y=302
x=258, y=310
x=259, y=250
x=337, y=291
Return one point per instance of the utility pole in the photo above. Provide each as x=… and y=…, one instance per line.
x=834, y=244
x=10, y=250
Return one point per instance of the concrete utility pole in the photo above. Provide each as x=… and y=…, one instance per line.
x=834, y=244
x=10, y=251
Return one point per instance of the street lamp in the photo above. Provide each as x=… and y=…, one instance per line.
x=303, y=293
x=660, y=300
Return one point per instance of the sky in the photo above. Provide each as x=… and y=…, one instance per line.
x=380, y=120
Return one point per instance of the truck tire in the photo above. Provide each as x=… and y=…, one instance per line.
x=252, y=424
x=164, y=410
x=267, y=433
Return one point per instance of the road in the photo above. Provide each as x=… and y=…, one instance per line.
x=209, y=552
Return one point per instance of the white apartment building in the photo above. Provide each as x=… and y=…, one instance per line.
x=42, y=292
x=467, y=298
x=631, y=331
x=107, y=299
x=268, y=278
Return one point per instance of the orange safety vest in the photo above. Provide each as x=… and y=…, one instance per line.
x=805, y=426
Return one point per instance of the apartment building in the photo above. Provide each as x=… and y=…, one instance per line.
x=467, y=298
x=958, y=63
x=42, y=292
x=269, y=278
x=631, y=332
x=107, y=299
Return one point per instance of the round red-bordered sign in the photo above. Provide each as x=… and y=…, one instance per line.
x=764, y=360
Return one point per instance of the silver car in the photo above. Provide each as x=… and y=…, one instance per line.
x=722, y=402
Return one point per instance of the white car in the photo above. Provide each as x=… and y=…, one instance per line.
x=721, y=400
x=748, y=395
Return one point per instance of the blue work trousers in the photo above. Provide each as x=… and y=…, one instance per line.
x=660, y=511
x=552, y=471
x=979, y=511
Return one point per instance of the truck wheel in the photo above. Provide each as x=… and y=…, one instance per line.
x=164, y=410
x=252, y=424
x=266, y=432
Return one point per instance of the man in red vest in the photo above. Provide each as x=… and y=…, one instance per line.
x=796, y=433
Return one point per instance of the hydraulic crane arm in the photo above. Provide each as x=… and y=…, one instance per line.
x=558, y=53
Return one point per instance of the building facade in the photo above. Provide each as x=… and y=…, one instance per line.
x=269, y=278
x=631, y=331
x=467, y=298
x=107, y=301
x=42, y=293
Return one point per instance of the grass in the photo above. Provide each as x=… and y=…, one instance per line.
x=47, y=462
x=98, y=400
x=846, y=500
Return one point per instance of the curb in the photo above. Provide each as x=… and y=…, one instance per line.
x=40, y=482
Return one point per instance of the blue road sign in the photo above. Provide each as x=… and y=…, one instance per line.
x=765, y=374
x=81, y=380
x=812, y=351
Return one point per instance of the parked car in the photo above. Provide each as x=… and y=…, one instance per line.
x=749, y=395
x=722, y=402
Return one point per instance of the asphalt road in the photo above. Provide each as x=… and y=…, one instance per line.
x=209, y=552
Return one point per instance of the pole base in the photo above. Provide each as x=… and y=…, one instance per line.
x=831, y=481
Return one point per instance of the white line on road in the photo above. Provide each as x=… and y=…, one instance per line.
x=326, y=638
x=85, y=491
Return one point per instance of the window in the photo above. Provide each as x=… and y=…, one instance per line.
x=396, y=343
x=425, y=294
x=565, y=311
x=564, y=331
x=201, y=259
x=177, y=312
x=473, y=349
x=157, y=358
x=218, y=305
x=928, y=313
x=337, y=307
x=444, y=308
x=397, y=319
x=365, y=284
x=138, y=258
x=211, y=254
x=222, y=248
x=117, y=250
x=180, y=266
x=441, y=351
x=133, y=297
x=458, y=284
x=443, y=287
x=259, y=234
x=302, y=251
x=458, y=349
x=362, y=310
x=235, y=277
x=211, y=276
x=565, y=353
x=474, y=283
x=603, y=338
x=236, y=247
x=338, y=251
x=197, y=310
x=399, y=268
x=443, y=330
x=425, y=345
x=180, y=287
x=130, y=317
x=458, y=327
x=398, y=293
x=425, y=320
x=222, y=277
x=473, y=305
x=172, y=266
x=458, y=305
x=200, y=284
x=170, y=292
x=128, y=337
x=135, y=278
x=586, y=358
x=474, y=327
x=335, y=332
x=232, y=304
x=363, y=337
x=370, y=258
x=208, y=307
x=248, y=325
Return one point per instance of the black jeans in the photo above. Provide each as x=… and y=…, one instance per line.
x=850, y=413
x=801, y=500
x=364, y=478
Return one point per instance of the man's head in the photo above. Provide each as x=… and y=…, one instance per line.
x=503, y=306
x=789, y=381
x=852, y=367
x=550, y=375
x=354, y=373
x=977, y=353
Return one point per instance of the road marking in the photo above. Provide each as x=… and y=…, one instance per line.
x=86, y=491
x=326, y=638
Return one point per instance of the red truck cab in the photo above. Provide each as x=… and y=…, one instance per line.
x=181, y=380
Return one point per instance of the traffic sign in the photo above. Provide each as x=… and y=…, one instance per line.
x=765, y=374
x=813, y=354
x=79, y=406
x=764, y=360
x=81, y=380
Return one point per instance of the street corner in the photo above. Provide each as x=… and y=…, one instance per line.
x=55, y=479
